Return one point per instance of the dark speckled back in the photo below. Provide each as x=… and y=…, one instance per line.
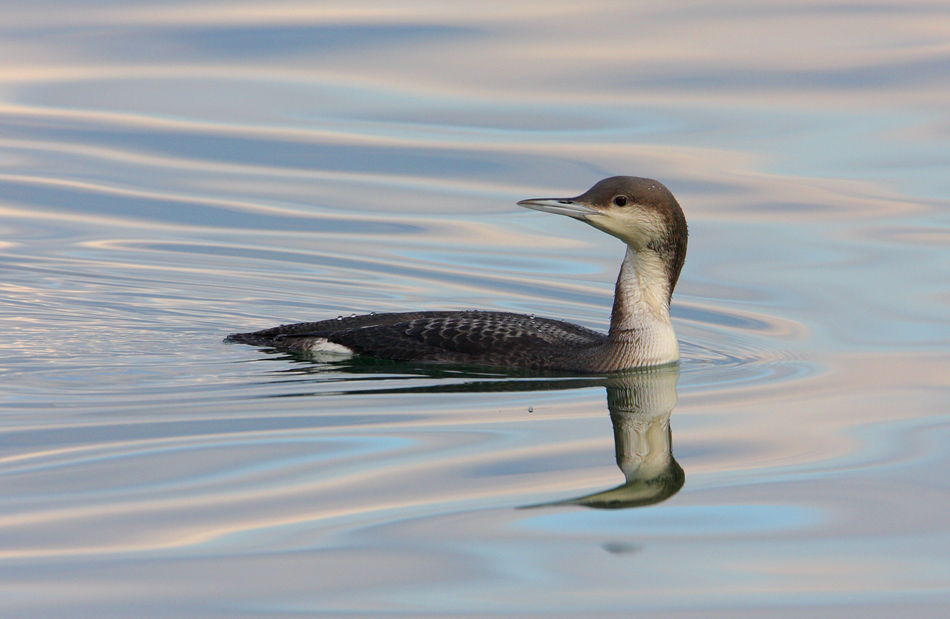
x=467, y=337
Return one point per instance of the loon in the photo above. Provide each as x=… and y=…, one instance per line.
x=641, y=212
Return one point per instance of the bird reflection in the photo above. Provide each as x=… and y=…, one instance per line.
x=640, y=403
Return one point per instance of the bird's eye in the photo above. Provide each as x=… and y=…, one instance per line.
x=620, y=200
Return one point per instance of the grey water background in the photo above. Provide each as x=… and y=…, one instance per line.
x=171, y=172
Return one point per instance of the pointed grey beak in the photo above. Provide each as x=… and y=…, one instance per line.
x=560, y=206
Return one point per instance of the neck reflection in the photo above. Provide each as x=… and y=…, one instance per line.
x=640, y=405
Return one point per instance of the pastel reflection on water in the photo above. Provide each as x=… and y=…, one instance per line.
x=172, y=171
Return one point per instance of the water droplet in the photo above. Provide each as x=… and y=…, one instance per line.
x=530, y=409
x=352, y=315
x=339, y=317
x=531, y=317
x=372, y=313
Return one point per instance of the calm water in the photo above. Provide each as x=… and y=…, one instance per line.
x=172, y=172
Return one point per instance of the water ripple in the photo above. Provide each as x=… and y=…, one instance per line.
x=174, y=173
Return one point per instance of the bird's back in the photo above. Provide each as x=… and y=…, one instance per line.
x=474, y=338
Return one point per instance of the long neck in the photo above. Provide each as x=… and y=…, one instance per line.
x=641, y=332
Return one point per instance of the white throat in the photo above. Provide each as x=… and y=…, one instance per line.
x=641, y=315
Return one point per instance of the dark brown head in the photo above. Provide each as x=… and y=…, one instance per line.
x=641, y=212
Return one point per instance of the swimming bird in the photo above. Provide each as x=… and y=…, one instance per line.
x=641, y=212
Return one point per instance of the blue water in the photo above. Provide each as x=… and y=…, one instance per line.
x=171, y=173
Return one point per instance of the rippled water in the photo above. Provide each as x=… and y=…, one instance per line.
x=170, y=173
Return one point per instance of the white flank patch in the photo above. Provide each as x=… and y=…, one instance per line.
x=322, y=348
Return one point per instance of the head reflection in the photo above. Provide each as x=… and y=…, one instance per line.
x=640, y=404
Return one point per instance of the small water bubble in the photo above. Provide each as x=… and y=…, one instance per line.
x=372, y=313
x=531, y=316
x=352, y=315
x=339, y=317
x=530, y=409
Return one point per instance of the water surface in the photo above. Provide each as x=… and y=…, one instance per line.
x=170, y=173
